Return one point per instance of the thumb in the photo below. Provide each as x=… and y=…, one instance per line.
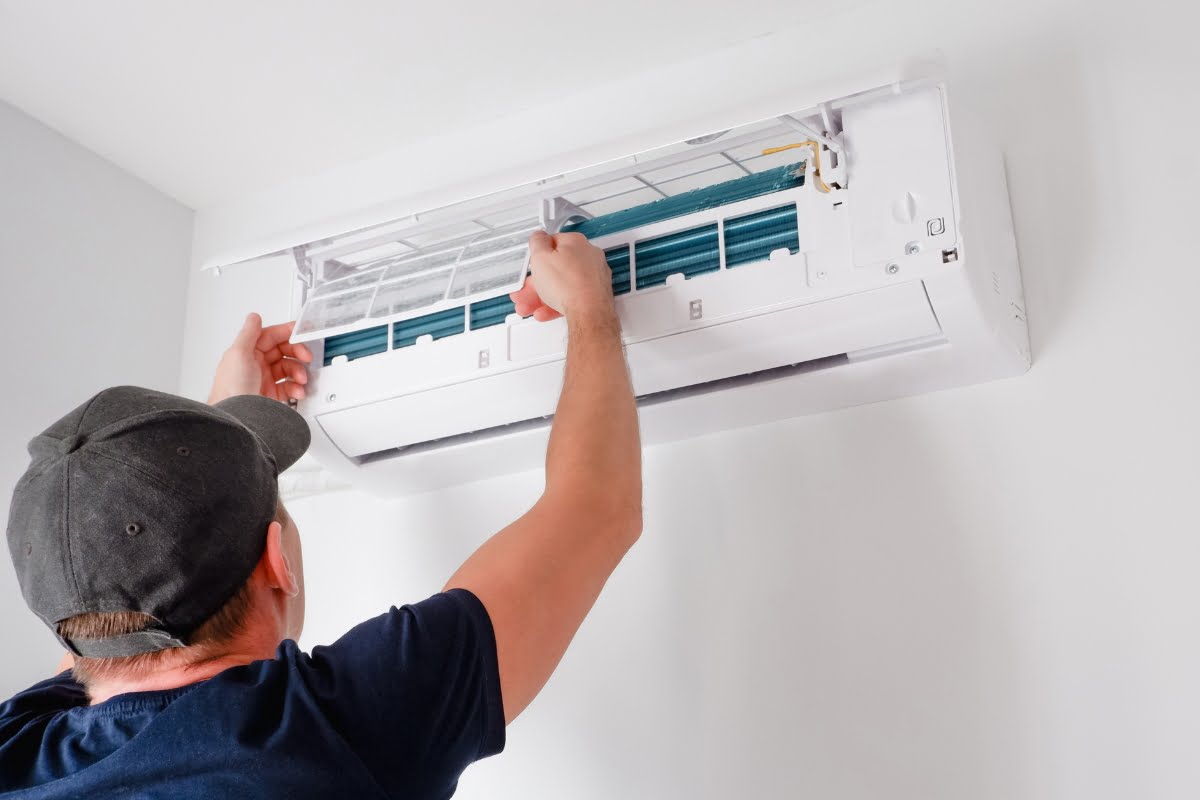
x=540, y=243
x=248, y=336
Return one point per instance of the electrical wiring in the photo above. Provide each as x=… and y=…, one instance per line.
x=821, y=184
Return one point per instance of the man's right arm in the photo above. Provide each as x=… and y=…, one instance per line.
x=539, y=577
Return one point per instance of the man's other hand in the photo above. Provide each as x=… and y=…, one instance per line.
x=262, y=361
x=570, y=276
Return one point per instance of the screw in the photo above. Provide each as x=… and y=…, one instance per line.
x=893, y=269
x=331, y=398
x=821, y=274
x=912, y=249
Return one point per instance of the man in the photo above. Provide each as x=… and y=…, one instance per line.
x=147, y=534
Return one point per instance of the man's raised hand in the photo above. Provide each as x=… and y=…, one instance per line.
x=262, y=361
x=570, y=276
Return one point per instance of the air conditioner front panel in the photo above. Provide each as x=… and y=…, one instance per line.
x=803, y=333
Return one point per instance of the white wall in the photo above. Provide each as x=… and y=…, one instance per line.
x=983, y=593
x=95, y=274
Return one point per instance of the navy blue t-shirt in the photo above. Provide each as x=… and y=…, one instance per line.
x=398, y=707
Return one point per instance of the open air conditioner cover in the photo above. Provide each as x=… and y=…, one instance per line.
x=823, y=257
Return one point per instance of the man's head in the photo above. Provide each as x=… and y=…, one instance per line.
x=148, y=523
x=266, y=609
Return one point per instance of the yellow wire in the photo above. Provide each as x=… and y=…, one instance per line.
x=821, y=184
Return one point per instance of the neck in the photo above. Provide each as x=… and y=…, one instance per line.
x=169, y=676
x=190, y=665
x=265, y=627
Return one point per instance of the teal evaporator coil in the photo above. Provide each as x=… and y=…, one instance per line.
x=618, y=264
x=356, y=344
x=722, y=194
x=691, y=252
x=439, y=324
x=487, y=313
x=755, y=236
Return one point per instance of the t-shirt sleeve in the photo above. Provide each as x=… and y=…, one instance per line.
x=415, y=691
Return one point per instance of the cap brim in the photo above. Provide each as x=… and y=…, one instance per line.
x=281, y=428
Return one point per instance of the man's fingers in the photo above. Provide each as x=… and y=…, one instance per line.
x=282, y=384
x=271, y=356
x=290, y=369
x=283, y=351
x=299, y=352
x=527, y=302
x=291, y=390
x=274, y=336
x=526, y=299
x=540, y=243
x=251, y=330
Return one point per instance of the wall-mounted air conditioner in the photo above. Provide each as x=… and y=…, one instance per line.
x=853, y=251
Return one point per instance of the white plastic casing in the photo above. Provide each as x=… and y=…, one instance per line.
x=906, y=281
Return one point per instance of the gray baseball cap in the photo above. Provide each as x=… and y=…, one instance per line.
x=144, y=501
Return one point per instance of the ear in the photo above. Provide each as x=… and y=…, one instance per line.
x=279, y=571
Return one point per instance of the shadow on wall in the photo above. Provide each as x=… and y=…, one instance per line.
x=1039, y=113
x=826, y=606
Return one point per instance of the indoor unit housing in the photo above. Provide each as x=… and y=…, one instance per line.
x=829, y=255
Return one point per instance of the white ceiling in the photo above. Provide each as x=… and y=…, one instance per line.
x=207, y=101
